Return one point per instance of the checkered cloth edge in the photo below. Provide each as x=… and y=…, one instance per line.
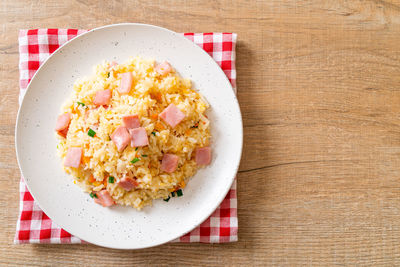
x=33, y=225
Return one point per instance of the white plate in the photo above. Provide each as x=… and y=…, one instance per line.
x=66, y=203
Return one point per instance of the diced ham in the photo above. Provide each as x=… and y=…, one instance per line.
x=203, y=155
x=169, y=163
x=139, y=137
x=104, y=198
x=126, y=83
x=121, y=138
x=102, y=97
x=62, y=124
x=63, y=121
x=128, y=183
x=131, y=121
x=73, y=157
x=172, y=115
x=163, y=68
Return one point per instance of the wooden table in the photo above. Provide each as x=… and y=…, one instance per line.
x=318, y=85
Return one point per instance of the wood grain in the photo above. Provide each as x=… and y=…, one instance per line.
x=318, y=85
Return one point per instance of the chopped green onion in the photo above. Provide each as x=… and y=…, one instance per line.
x=173, y=194
x=167, y=199
x=136, y=149
x=93, y=195
x=135, y=160
x=111, y=179
x=195, y=126
x=80, y=103
x=153, y=133
x=179, y=193
x=91, y=133
x=144, y=156
x=108, y=75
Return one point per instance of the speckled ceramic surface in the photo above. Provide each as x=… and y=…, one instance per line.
x=64, y=202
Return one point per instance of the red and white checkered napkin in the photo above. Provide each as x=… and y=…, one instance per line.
x=33, y=225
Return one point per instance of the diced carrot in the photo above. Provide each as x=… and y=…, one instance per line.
x=154, y=116
x=182, y=184
x=86, y=160
x=159, y=126
x=91, y=179
x=105, y=182
x=156, y=96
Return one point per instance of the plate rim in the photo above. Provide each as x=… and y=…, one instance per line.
x=200, y=50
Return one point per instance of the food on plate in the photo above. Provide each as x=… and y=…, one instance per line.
x=133, y=132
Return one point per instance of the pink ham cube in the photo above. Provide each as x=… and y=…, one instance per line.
x=121, y=138
x=172, y=115
x=104, y=198
x=63, y=121
x=203, y=155
x=126, y=83
x=62, y=124
x=131, y=121
x=139, y=137
x=73, y=157
x=128, y=183
x=102, y=97
x=163, y=68
x=169, y=163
